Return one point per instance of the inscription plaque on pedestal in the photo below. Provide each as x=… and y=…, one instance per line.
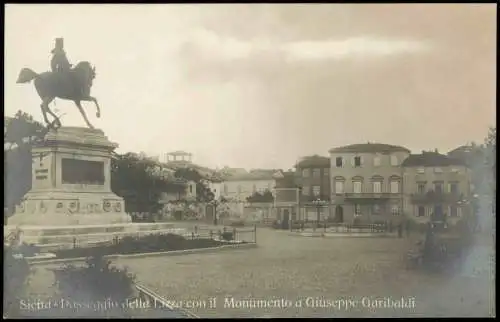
x=82, y=172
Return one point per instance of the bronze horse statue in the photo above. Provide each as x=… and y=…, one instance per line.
x=73, y=85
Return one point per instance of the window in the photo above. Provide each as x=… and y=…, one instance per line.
x=190, y=188
x=357, y=186
x=394, y=186
x=305, y=173
x=438, y=187
x=339, y=187
x=455, y=170
x=376, y=210
x=453, y=186
x=377, y=187
x=316, y=173
x=420, y=170
x=357, y=162
x=395, y=210
x=316, y=191
x=339, y=162
x=306, y=190
x=239, y=189
x=394, y=160
x=326, y=172
x=254, y=188
x=421, y=188
x=225, y=189
x=376, y=161
x=357, y=210
x=421, y=211
x=438, y=170
x=453, y=211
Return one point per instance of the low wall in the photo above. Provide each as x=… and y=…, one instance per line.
x=81, y=260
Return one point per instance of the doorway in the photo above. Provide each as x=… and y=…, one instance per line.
x=438, y=213
x=339, y=214
x=286, y=219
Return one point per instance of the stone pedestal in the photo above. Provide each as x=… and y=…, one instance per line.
x=71, y=182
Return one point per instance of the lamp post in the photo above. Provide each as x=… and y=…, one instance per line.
x=215, y=203
x=319, y=203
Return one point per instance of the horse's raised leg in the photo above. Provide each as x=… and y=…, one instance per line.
x=93, y=99
x=45, y=109
x=80, y=108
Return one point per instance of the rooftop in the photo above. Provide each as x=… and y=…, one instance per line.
x=287, y=181
x=431, y=159
x=370, y=148
x=251, y=176
x=179, y=153
x=313, y=161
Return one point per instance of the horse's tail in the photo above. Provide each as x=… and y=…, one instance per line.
x=26, y=75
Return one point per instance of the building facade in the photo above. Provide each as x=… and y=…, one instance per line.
x=313, y=177
x=436, y=186
x=286, y=198
x=239, y=187
x=366, y=182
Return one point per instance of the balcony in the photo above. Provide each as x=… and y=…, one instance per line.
x=436, y=197
x=370, y=196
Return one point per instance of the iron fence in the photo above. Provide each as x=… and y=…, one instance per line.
x=223, y=234
x=342, y=227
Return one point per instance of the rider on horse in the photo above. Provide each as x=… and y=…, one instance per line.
x=59, y=62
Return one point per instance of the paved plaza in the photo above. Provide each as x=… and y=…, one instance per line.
x=311, y=277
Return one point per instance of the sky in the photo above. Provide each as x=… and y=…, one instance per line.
x=261, y=85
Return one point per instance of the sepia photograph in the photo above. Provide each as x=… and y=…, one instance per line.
x=256, y=160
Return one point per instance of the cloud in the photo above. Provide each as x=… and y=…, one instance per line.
x=351, y=47
x=214, y=46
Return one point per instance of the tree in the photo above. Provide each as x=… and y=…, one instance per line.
x=203, y=192
x=491, y=152
x=133, y=179
x=265, y=196
x=20, y=133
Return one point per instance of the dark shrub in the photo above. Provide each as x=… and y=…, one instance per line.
x=142, y=244
x=227, y=235
x=15, y=278
x=238, y=223
x=97, y=281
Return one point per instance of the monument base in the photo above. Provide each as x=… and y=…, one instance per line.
x=52, y=238
x=65, y=208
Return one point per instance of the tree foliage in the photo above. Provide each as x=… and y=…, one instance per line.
x=265, y=196
x=133, y=179
x=491, y=151
x=203, y=192
x=20, y=133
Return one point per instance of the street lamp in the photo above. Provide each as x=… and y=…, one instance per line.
x=319, y=203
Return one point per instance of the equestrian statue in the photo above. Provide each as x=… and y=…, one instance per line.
x=64, y=81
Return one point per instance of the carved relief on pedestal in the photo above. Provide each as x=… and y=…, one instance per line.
x=90, y=208
x=93, y=208
x=73, y=207
x=118, y=207
x=42, y=207
x=21, y=208
x=106, y=206
x=59, y=207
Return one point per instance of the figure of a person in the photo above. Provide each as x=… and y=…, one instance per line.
x=59, y=61
x=400, y=230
